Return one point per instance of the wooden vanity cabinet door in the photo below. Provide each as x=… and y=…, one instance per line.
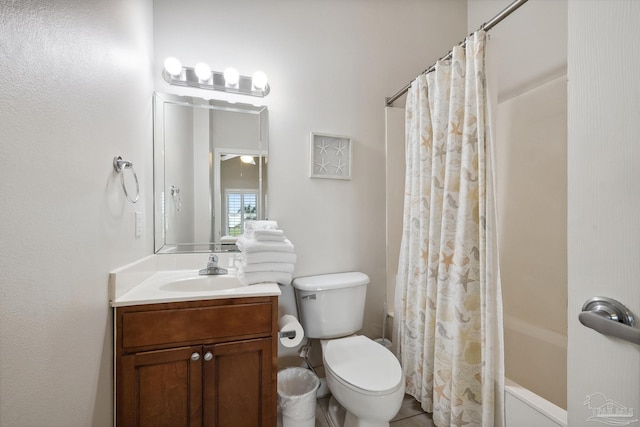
x=158, y=384
x=239, y=388
x=161, y=388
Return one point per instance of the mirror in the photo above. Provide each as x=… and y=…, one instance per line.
x=210, y=163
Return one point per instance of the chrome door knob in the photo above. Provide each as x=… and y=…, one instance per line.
x=208, y=356
x=609, y=309
x=609, y=317
x=195, y=356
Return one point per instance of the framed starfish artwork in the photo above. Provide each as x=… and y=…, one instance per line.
x=330, y=156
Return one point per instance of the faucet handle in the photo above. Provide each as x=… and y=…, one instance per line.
x=212, y=267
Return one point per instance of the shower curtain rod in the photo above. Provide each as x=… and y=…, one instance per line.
x=486, y=27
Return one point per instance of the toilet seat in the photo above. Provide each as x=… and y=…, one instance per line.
x=363, y=364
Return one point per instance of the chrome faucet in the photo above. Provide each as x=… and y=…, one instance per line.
x=212, y=267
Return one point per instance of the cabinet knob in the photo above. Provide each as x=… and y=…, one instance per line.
x=208, y=356
x=195, y=356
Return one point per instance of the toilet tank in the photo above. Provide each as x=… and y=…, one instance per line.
x=331, y=305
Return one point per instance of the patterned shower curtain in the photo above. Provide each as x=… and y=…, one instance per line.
x=448, y=310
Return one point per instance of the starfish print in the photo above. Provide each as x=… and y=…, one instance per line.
x=339, y=149
x=457, y=420
x=448, y=260
x=455, y=128
x=441, y=151
x=440, y=390
x=339, y=167
x=426, y=141
x=322, y=147
x=424, y=255
x=464, y=280
x=322, y=165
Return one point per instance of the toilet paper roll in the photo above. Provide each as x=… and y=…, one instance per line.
x=289, y=323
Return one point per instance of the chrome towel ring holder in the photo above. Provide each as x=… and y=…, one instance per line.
x=119, y=166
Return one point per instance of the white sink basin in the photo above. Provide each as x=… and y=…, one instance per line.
x=201, y=284
x=188, y=285
x=173, y=278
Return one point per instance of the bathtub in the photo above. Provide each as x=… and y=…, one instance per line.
x=537, y=357
x=524, y=408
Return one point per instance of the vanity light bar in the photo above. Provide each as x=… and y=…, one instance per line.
x=203, y=78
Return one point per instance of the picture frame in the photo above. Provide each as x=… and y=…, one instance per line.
x=330, y=156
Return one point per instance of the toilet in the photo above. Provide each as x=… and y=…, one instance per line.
x=365, y=379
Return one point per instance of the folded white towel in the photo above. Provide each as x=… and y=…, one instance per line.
x=245, y=244
x=284, y=267
x=265, y=276
x=260, y=225
x=267, y=257
x=266, y=235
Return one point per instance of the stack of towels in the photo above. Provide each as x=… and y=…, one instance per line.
x=266, y=255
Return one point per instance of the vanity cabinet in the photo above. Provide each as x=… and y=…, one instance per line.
x=202, y=363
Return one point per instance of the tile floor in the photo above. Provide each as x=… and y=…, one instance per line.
x=410, y=414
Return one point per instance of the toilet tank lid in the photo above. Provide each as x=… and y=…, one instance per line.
x=323, y=282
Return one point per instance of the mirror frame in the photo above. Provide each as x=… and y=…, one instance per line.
x=160, y=199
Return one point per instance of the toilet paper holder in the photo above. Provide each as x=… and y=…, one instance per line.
x=287, y=334
x=290, y=331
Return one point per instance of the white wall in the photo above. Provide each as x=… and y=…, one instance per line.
x=76, y=91
x=530, y=45
x=531, y=152
x=330, y=65
x=531, y=158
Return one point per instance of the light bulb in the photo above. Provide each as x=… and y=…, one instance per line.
x=231, y=76
x=173, y=66
x=259, y=80
x=203, y=71
x=248, y=159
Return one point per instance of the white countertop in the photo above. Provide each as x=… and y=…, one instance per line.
x=174, y=277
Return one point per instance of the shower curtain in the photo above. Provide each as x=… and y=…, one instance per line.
x=448, y=310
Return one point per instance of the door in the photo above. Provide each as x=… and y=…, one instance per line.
x=603, y=206
x=161, y=388
x=239, y=390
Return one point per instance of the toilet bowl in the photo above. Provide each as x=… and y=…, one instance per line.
x=364, y=377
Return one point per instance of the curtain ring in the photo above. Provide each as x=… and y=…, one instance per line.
x=119, y=166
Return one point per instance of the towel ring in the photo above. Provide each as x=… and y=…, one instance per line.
x=119, y=166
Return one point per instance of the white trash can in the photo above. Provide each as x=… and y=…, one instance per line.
x=297, y=397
